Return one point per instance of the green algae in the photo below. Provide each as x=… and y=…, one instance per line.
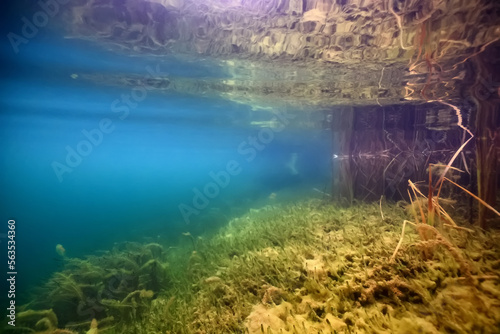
x=311, y=267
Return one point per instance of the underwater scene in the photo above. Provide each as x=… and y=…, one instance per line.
x=250, y=166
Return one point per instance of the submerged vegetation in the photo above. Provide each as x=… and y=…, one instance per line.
x=311, y=267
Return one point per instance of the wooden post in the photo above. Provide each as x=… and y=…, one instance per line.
x=342, y=130
x=486, y=94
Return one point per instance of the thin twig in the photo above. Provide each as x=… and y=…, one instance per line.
x=399, y=243
x=441, y=179
x=459, y=228
x=380, y=204
x=479, y=199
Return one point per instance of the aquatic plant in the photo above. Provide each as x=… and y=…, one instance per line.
x=310, y=267
x=42, y=322
x=39, y=320
x=131, y=306
x=153, y=276
x=315, y=281
x=116, y=286
x=429, y=221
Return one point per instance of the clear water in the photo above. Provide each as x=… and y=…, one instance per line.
x=150, y=157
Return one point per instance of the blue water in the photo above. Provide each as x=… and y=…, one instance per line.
x=138, y=163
